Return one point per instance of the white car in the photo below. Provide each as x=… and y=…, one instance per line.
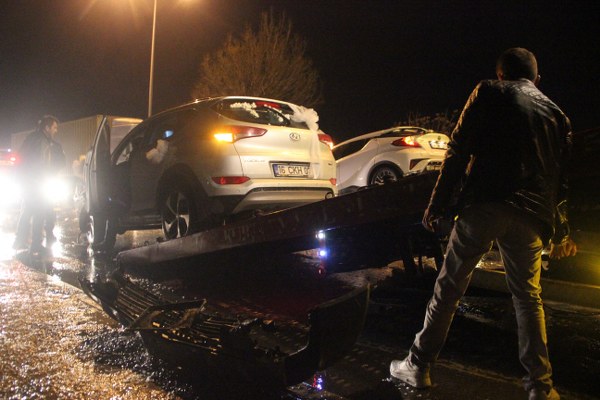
x=387, y=155
x=207, y=162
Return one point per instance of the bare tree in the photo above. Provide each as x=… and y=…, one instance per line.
x=268, y=63
x=440, y=122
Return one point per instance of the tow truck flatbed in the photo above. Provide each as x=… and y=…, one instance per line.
x=399, y=204
x=191, y=333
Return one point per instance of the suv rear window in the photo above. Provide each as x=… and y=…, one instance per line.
x=258, y=112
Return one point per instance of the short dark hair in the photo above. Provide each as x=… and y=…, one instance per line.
x=516, y=63
x=47, y=120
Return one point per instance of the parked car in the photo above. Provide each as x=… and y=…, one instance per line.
x=387, y=155
x=205, y=163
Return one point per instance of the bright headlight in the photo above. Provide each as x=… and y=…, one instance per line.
x=55, y=190
x=11, y=190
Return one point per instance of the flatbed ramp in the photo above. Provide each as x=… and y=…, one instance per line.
x=198, y=334
x=399, y=204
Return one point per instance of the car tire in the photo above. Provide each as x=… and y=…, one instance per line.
x=178, y=212
x=384, y=174
x=102, y=234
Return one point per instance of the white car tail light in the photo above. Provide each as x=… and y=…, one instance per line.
x=407, y=141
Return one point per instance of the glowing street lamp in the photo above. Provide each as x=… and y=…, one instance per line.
x=151, y=83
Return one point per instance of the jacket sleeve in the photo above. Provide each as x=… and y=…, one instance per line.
x=561, y=220
x=459, y=150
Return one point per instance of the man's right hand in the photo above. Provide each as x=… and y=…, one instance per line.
x=432, y=214
x=567, y=248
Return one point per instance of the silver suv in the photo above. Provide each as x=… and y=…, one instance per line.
x=205, y=163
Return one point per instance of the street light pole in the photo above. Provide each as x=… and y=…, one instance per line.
x=151, y=84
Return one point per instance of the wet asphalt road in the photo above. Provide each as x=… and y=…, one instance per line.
x=482, y=341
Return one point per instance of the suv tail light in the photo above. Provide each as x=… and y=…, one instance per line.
x=233, y=133
x=230, y=180
x=325, y=138
x=407, y=141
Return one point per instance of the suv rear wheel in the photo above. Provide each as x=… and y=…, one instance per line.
x=178, y=212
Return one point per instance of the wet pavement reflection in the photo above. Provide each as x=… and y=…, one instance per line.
x=283, y=289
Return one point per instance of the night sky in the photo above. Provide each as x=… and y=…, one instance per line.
x=378, y=60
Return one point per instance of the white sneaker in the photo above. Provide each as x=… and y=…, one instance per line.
x=409, y=373
x=540, y=394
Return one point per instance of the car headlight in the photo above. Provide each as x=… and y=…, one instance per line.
x=55, y=190
x=11, y=190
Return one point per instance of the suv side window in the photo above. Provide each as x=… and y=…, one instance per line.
x=171, y=126
x=129, y=143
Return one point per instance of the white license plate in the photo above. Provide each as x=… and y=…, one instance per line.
x=291, y=170
x=438, y=144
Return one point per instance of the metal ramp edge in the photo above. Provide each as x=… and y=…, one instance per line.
x=296, y=228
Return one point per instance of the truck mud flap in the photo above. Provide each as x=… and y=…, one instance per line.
x=192, y=337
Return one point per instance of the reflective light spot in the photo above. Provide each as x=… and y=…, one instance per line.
x=319, y=381
x=6, y=242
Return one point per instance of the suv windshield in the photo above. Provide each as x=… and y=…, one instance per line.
x=258, y=112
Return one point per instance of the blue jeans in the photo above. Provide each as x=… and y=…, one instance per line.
x=520, y=247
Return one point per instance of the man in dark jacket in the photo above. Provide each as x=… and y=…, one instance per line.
x=506, y=159
x=41, y=158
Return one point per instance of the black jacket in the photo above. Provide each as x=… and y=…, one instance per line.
x=511, y=144
x=41, y=156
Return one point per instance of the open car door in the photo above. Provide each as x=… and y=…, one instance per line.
x=100, y=179
x=97, y=170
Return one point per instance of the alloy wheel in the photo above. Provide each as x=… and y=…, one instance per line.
x=384, y=175
x=176, y=215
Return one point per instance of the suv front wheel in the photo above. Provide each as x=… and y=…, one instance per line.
x=101, y=233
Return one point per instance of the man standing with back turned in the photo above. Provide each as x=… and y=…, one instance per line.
x=507, y=156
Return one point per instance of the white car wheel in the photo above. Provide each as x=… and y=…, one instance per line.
x=384, y=174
